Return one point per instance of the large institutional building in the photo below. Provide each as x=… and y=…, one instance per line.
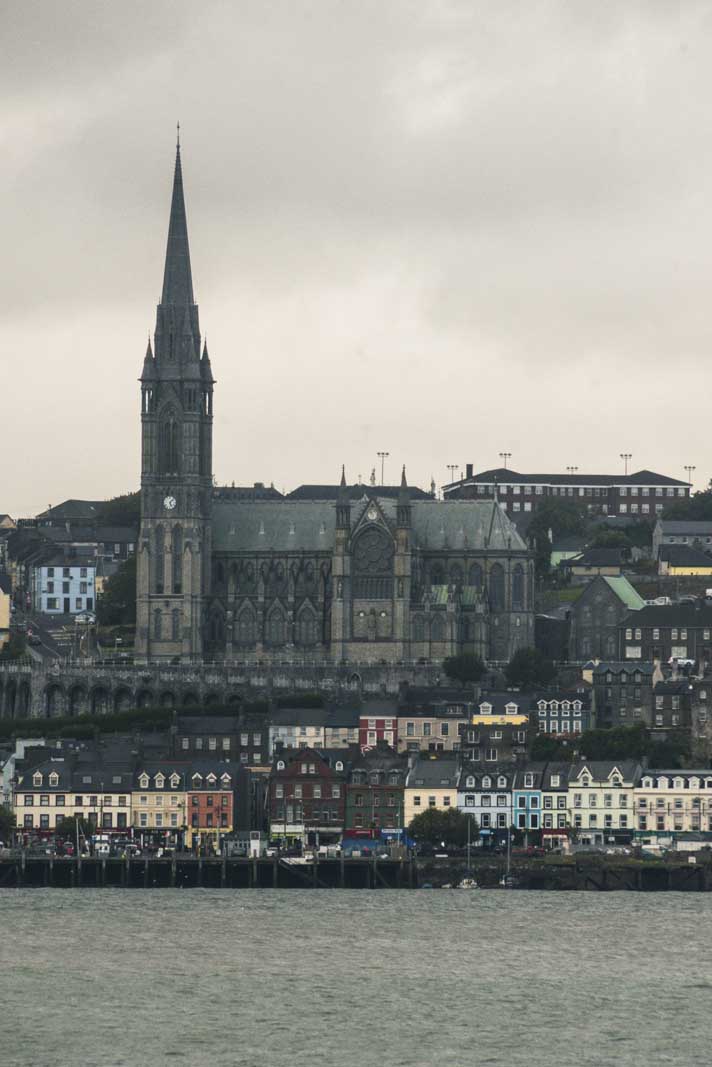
x=337, y=573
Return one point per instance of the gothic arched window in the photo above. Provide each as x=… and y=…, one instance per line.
x=437, y=629
x=306, y=627
x=169, y=444
x=177, y=553
x=418, y=628
x=276, y=630
x=496, y=587
x=157, y=624
x=373, y=565
x=456, y=575
x=518, y=586
x=474, y=578
x=159, y=556
x=175, y=624
x=245, y=629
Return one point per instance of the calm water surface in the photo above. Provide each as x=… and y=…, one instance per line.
x=375, y=979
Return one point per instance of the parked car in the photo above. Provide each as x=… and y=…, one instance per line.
x=86, y=617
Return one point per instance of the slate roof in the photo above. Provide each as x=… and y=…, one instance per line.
x=688, y=615
x=684, y=556
x=439, y=773
x=597, y=557
x=685, y=526
x=601, y=769
x=508, y=476
x=71, y=510
x=263, y=526
x=474, y=770
x=5, y=583
x=499, y=702
x=354, y=492
x=300, y=717
x=562, y=769
x=629, y=666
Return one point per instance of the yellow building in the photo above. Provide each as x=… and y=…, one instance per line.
x=684, y=560
x=430, y=783
x=5, y=590
x=159, y=804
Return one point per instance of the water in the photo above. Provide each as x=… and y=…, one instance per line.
x=394, y=979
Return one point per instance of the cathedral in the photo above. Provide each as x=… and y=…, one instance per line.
x=342, y=573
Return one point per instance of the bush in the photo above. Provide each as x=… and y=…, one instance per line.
x=464, y=668
x=528, y=669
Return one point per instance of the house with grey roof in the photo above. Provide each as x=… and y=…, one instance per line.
x=596, y=615
x=693, y=533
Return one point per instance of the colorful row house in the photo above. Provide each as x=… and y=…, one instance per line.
x=307, y=796
x=672, y=803
x=58, y=789
x=486, y=796
x=374, y=793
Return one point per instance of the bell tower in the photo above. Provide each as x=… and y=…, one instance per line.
x=174, y=548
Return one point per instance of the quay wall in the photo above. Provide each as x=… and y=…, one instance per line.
x=31, y=871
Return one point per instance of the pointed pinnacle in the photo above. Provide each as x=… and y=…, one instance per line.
x=343, y=476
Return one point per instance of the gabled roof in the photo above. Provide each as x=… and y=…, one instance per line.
x=440, y=773
x=684, y=556
x=507, y=476
x=626, y=593
x=293, y=525
x=596, y=557
x=685, y=526
x=697, y=614
x=354, y=492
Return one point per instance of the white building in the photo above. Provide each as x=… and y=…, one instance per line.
x=488, y=797
x=64, y=587
x=600, y=799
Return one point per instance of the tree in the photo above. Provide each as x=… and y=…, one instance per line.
x=698, y=506
x=433, y=827
x=464, y=668
x=7, y=823
x=560, y=517
x=528, y=668
x=15, y=647
x=117, y=603
x=67, y=828
x=120, y=511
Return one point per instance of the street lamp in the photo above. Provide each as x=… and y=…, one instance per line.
x=625, y=456
x=383, y=456
x=504, y=456
x=690, y=468
x=572, y=470
x=452, y=467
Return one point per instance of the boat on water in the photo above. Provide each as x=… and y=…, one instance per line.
x=507, y=881
x=468, y=883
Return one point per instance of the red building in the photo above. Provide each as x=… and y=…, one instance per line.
x=210, y=803
x=378, y=722
x=307, y=796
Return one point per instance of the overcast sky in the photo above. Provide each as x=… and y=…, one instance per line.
x=442, y=230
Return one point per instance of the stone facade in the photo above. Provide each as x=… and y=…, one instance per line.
x=374, y=580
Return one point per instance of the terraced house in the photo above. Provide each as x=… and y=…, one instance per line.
x=600, y=797
x=431, y=783
x=160, y=804
x=486, y=796
x=672, y=803
x=210, y=804
x=68, y=786
x=374, y=792
x=497, y=730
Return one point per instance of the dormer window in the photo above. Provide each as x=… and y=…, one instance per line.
x=211, y=779
x=501, y=782
x=585, y=781
x=280, y=765
x=555, y=780
x=528, y=781
x=511, y=709
x=554, y=706
x=143, y=781
x=486, y=709
x=486, y=782
x=470, y=782
x=175, y=781
x=577, y=705
x=565, y=705
x=339, y=766
x=647, y=783
x=37, y=779
x=304, y=768
x=694, y=783
x=616, y=780
x=160, y=781
x=54, y=778
x=541, y=704
x=197, y=781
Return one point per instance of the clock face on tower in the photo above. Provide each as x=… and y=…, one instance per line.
x=169, y=502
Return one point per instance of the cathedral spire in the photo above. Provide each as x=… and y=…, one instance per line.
x=177, y=279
